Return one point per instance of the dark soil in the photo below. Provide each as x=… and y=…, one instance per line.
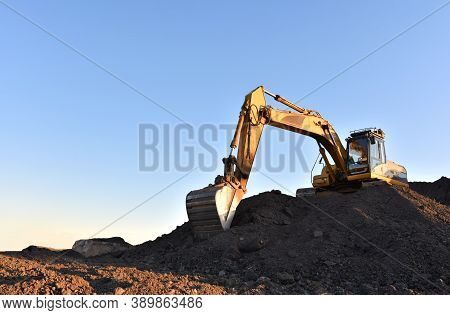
x=379, y=240
x=438, y=190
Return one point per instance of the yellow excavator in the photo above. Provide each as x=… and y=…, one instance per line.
x=212, y=208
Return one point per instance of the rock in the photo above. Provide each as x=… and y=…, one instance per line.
x=231, y=282
x=119, y=291
x=292, y=253
x=250, y=275
x=247, y=245
x=391, y=289
x=366, y=289
x=222, y=273
x=100, y=246
x=285, y=277
x=401, y=285
x=263, y=279
x=329, y=263
x=231, y=253
x=318, y=233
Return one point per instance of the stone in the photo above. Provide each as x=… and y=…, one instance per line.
x=222, y=273
x=401, y=285
x=391, y=288
x=231, y=281
x=285, y=277
x=247, y=245
x=367, y=288
x=292, y=253
x=119, y=291
x=263, y=279
x=100, y=246
x=231, y=253
x=250, y=275
x=318, y=233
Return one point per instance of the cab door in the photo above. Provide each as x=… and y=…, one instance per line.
x=377, y=153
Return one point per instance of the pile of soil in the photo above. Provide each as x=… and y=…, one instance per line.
x=438, y=190
x=379, y=240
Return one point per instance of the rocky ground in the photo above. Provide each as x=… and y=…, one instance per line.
x=379, y=240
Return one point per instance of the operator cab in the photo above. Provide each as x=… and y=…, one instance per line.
x=366, y=158
x=365, y=149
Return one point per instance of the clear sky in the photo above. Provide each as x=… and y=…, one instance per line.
x=69, y=131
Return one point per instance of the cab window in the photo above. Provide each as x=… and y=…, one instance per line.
x=358, y=157
x=377, y=153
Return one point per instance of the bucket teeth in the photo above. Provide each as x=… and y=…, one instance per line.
x=210, y=210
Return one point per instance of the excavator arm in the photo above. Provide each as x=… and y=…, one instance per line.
x=255, y=114
x=212, y=209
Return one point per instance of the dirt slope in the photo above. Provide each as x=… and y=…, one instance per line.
x=322, y=249
x=438, y=190
x=380, y=240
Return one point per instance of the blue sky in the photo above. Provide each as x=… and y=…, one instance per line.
x=69, y=131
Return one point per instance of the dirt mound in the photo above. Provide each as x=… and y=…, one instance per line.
x=46, y=252
x=438, y=190
x=379, y=240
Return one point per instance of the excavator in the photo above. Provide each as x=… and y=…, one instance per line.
x=211, y=209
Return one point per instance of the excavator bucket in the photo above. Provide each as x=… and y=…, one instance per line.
x=211, y=209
